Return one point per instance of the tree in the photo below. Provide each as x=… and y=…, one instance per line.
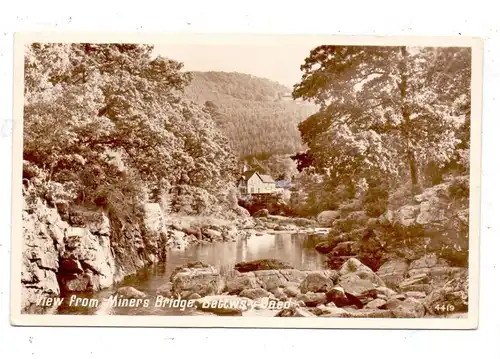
x=90, y=106
x=385, y=109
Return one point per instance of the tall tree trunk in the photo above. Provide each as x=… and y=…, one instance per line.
x=405, y=111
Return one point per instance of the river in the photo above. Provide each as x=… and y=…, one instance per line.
x=296, y=249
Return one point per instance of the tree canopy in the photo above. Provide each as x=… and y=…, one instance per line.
x=386, y=110
x=101, y=117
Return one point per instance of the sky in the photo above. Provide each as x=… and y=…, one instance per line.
x=278, y=62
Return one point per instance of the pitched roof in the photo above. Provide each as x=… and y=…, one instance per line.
x=266, y=178
x=246, y=175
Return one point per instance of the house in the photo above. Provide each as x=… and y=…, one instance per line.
x=284, y=188
x=252, y=182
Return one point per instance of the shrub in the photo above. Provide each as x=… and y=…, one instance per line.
x=375, y=200
x=459, y=188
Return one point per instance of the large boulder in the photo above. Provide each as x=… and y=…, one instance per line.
x=234, y=285
x=130, y=292
x=393, y=272
x=196, y=278
x=312, y=299
x=326, y=218
x=316, y=282
x=262, y=264
x=270, y=279
x=354, y=267
x=338, y=297
x=427, y=264
x=409, y=308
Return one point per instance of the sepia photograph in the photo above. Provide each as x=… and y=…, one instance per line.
x=246, y=181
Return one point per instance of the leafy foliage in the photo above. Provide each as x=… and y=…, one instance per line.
x=384, y=109
x=113, y=122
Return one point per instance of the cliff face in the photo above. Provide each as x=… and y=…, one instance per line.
x=79, y=250
x=70, y=249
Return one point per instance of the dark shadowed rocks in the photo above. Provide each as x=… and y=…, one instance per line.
x=324, y=247
x=262, y=264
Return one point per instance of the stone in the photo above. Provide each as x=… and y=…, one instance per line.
x=416, y=279
x=279, y=293
x=311, y=299
x=153, y=218
x=165, y=290
x=270, y=279
x=426, y=288
x=254, y=293
x=241, y=282
x=393, y=272
x=83, y=282
x=417, y=295
x=130, y=292
x=295, y=312
x=409, y=308
x=291, y=289
x=334, y=312
x=354, y=285
x=262, y=264
x=316, y=282
x=428, y=261
x=354, y=266
x=338, y=297
x=70, y=266
x=213, y=234
x=201, y=280
x=385, y=292
x=375, y=304
x=406, y=215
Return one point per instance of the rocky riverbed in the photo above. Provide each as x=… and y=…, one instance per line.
x=273, y=288
x=79, y=250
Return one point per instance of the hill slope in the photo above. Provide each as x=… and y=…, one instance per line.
x=256, y=114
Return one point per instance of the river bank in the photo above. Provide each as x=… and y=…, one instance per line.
x=273, y=288
x=70, y=249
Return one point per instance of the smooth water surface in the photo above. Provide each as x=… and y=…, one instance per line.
x=296, y=249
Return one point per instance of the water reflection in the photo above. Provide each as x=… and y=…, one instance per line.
x=296, y=249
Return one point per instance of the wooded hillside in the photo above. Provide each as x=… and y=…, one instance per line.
x=254, y=113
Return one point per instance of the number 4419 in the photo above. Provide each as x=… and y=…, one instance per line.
x=444, y=307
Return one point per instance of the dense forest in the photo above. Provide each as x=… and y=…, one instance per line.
x=108, y=125
x=254, y=113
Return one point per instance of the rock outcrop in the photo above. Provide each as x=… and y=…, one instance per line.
x=71, y=249
x=419, y=248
